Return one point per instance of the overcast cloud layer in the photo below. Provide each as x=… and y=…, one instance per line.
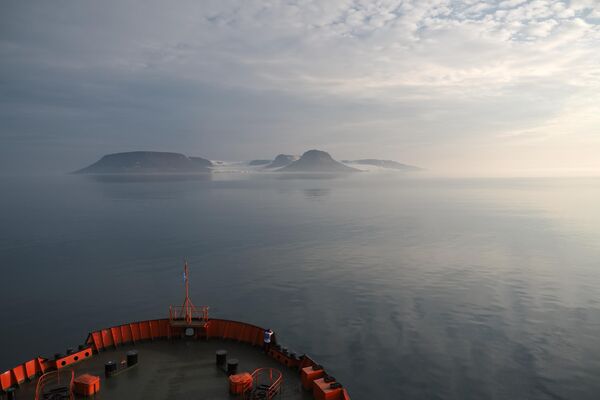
x=466, y=86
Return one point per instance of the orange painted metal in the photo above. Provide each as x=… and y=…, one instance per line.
x=86, y=385
x=145, y=333
x=136, y=335
x=27, y=370
x=322, y=390
x=284, y=358
x=129, y=333
x=19, y=373
x=72, y=358
x=161, y=329
x=6, y=380
x=240, y=383
x=239, y=331
x=115, y=333
x=309, y=374
x=306, y=361
x=125, y=333
x=107, y=339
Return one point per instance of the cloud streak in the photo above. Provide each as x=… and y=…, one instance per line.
x=419, y=75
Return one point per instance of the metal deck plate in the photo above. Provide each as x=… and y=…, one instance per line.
x=177, y=370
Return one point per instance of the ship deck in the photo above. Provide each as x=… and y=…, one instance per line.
x=177, y=370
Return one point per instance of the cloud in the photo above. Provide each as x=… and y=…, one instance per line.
x=95, y=61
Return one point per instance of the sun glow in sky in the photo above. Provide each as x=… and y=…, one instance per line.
x=470, y=87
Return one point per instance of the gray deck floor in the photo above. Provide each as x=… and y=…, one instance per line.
x=178, y=370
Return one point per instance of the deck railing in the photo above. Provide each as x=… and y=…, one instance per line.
x=61, y=380
x=268, y=378
x=188, y=313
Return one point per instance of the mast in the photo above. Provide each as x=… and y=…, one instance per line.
x=188, y=314
x=188, y=306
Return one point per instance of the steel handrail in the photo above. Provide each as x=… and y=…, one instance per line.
x=48, y=376
x=275, y=378
x=188, y=313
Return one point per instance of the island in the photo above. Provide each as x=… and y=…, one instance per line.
x=147, y=162
x=159, y=162
x=317, y=161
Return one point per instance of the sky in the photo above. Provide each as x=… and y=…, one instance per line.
x=477, y=87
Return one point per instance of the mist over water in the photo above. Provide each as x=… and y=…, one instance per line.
x=401, y=287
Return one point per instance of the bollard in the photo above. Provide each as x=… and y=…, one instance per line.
x=232, y=366
x=221, y=358
x=109, y=368
x=132, y=358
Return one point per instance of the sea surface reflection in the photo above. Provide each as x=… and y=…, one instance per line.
x=402, y=287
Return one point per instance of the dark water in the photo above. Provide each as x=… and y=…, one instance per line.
x=402, y=288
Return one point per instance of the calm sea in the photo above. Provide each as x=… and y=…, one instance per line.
x=403, y=288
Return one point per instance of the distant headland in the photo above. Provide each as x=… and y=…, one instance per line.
x=139, y=162
x=157, y=162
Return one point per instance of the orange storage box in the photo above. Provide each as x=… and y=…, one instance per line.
x=323, y=391
x=239, y=383
x=86, y=385
x=309, y=374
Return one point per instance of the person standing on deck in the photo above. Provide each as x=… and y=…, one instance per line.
x=267, y=340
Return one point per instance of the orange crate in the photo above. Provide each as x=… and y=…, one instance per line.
x=239, y=383
x=86, y=385
x=323, y=391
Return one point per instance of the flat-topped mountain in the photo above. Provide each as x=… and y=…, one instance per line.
x=317, y=161
x=143, y=162
x=282, y=160
x=389, y=164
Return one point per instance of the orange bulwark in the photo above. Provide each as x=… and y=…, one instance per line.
x=20, y=373
x=162, y=329
x=284, y=357
x=309, y=374
x=327, y=389
x=69, y=359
